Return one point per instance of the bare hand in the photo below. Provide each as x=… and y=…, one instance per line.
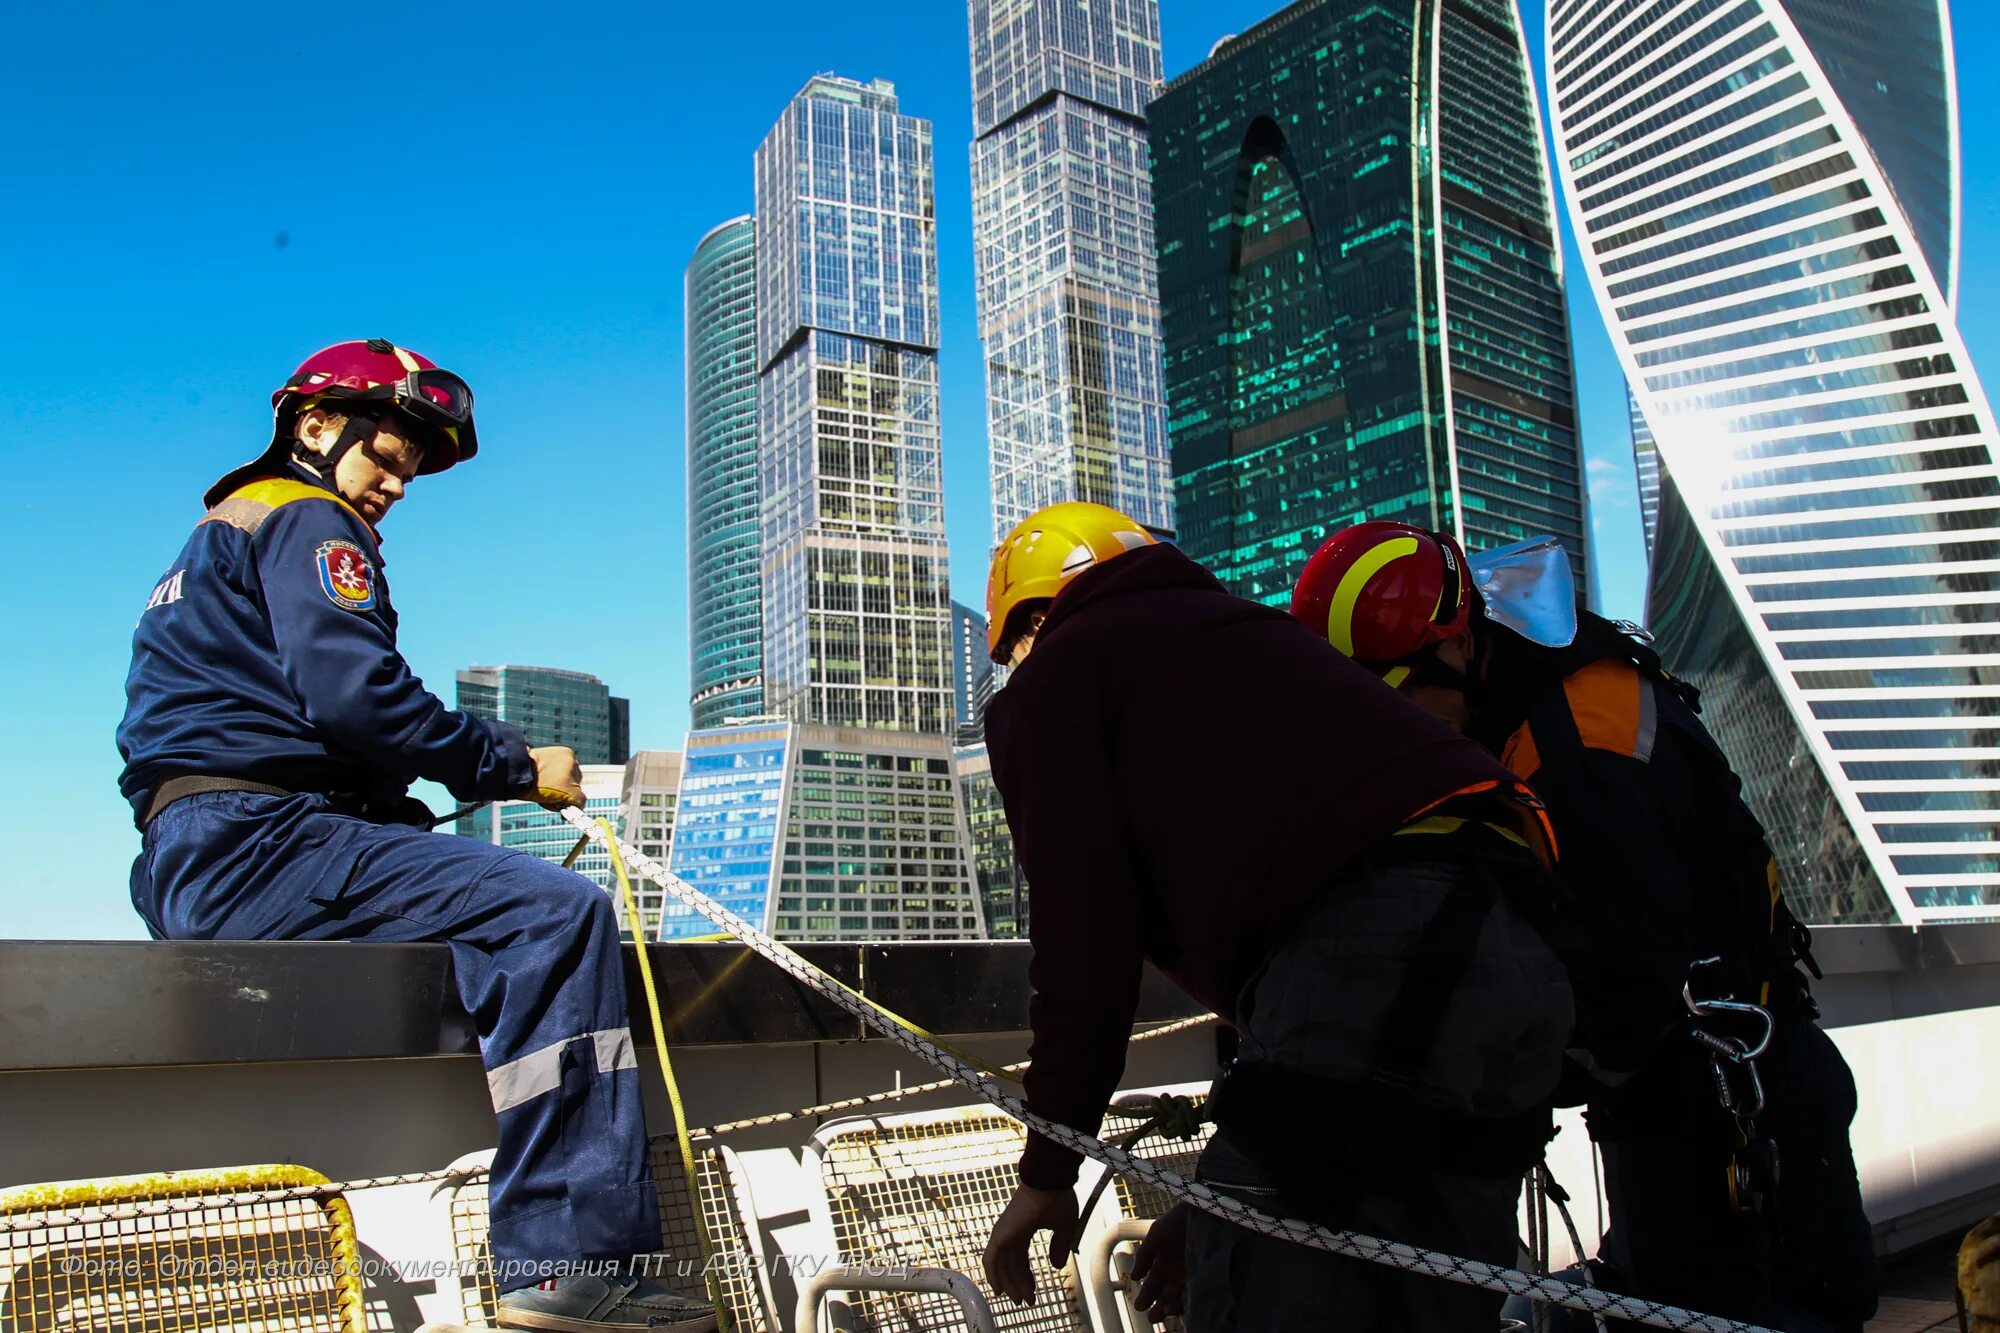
x=1160, y=1267
x=558, y=780
x=1031, y=1210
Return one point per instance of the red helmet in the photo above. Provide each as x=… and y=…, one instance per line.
x=1383, y=592
x=374, y=371
x=380, y=371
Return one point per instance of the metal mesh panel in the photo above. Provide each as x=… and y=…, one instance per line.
x=924, y=1191
x=1136, y=1198
x=736, y=1262
x=143, y=1252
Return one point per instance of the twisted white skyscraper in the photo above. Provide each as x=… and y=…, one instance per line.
x=1765, y=196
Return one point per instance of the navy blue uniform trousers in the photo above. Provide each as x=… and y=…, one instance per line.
x=535, y=950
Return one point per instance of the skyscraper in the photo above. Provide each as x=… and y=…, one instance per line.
x=552, y=706
x=647, y=800
x=1765, y=196
x=1360, y=288
x=857, y=618
x=1063, y=238
x=1003, y=888
x=972, y=672
x=822, y=833
x=1646, y=462
x=725, y=593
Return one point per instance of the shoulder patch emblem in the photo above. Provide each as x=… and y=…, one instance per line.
x=345, y=576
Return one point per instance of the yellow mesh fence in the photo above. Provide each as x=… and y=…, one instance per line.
x=924, y=1191
x=735, y=1263
x=145, y=1252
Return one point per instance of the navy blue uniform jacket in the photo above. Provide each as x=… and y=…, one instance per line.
x=267, y=652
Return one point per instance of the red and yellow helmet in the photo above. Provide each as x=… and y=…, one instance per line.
x=1382, y=592
x=1045, y=551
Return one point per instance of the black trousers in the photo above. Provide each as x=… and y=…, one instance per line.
x=1808, y=1263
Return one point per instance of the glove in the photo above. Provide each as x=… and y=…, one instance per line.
x=558, y=779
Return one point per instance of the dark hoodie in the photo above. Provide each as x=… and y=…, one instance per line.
x=1182, y=770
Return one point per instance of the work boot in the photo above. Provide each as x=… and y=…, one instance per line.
x=587, y=1303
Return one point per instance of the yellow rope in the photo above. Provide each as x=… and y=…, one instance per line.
x=965, y=1056
x=709, y=1276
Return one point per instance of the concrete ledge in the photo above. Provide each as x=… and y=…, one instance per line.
x=77, y=1005
x=66, y=1005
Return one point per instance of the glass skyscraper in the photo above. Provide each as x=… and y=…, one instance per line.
x=1765, y=196
x=1063, y=238
x=552, y=706
x=824, y=833
x=972, y=672
x=725, y=592
x=857, y=618
x=1360, y=288
x=647, y=801
x=1646, y=462
x=1003, y=889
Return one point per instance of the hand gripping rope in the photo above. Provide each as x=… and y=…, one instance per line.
x=1394, y=1254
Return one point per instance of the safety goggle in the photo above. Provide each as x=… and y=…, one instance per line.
x=435, y=397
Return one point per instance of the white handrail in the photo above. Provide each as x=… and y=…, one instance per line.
x=944, y=1281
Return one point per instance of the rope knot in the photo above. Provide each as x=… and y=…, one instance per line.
x=1170, y=1115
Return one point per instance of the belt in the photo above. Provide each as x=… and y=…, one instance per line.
x=175, y=789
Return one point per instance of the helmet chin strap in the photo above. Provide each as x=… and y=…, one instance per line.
x=360, y=426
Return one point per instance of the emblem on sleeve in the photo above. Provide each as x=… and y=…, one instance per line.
x=345, y=576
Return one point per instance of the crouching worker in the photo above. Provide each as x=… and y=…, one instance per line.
x=1198, y=781
x=271, y=732
x=1742, y=1204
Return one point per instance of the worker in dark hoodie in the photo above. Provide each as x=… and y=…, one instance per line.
x=1197, y=781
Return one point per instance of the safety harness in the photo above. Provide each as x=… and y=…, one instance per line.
x=1732, y=1000
x=1329, y=1141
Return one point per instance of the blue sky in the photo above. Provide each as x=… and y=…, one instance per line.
x=201, y=195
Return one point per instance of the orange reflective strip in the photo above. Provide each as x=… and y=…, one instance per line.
x=1520, y=755
x=1613, y=708
x=1529, y=813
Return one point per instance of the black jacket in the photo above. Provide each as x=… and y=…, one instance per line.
x=1661, y=860
x=1182, y=770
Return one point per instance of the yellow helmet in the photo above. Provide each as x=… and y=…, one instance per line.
x=1046, y=550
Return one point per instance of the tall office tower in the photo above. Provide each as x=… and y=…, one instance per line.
x=1063, y=237
x=857, y=607
x=524, y=826
x=725, y=577
x=553, y=706
x=647, y=800
x=1003, y=889
x=1360, y=288
x=1764, y=194
x=972, y=672
x=824, y=833
x=619, y=720
x=1646, y=462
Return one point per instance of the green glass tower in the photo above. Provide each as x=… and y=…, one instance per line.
x=1361, y=292
x=725, y=573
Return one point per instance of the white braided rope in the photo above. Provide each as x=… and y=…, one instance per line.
x=1394, y=1254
